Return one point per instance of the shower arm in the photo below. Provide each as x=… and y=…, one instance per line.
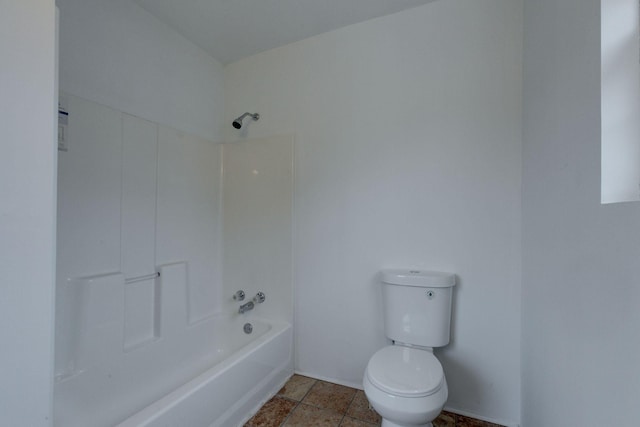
x=254, y=116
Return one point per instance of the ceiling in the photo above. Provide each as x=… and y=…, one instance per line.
x=233, y=29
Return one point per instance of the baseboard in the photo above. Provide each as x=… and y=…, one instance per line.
x=331, y=380
x=481, y=418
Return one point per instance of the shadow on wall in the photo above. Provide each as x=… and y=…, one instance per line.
x=454, y=309
x=457, y=371
x=472, y=384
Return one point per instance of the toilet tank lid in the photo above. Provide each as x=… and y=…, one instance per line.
x=418, y=278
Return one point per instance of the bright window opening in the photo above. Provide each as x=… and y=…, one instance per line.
x=620, y=95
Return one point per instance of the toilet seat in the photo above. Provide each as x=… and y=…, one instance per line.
x=405, y=372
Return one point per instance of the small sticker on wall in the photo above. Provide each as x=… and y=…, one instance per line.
x=63, y=126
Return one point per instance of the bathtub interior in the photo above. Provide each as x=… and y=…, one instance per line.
x=231, y=391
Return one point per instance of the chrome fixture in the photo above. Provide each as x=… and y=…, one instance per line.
x=248, y=328
x=246, y=307
x=259, y=298
x=237, y=123
x=238, y=296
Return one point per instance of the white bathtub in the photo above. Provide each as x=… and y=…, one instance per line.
x=211, y=374
x=230, y=391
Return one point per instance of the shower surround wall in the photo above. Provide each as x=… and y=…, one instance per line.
x=134, y=197
x=257, y=204
x=408, y=153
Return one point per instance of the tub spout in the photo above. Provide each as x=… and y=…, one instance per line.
x=246, y=307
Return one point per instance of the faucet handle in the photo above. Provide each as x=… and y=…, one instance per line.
x=259, y=298
x=239, y=296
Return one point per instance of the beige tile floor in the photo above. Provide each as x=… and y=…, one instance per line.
x=307, y=402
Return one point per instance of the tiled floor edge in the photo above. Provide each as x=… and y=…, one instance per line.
x=262, y=402
x=505, y=423
x=357, y=386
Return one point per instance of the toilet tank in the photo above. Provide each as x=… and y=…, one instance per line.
x=417, y=306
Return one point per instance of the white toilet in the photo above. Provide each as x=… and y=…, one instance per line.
x=404, y=382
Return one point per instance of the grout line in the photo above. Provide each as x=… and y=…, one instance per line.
x=290, y=413
x=348, y=407
x=298, y=402
x=310, y=388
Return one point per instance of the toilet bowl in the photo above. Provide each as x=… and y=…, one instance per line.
x=405, y=382
x=406, y=386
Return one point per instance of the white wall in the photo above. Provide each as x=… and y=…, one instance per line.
x=117, y=54
x=27, y=210
x=408, y=153
x=580, y=276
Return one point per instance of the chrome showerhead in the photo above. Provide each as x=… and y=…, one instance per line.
x=237, y=123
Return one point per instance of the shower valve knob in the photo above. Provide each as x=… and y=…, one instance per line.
x=259, y=298
x=238, y=296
